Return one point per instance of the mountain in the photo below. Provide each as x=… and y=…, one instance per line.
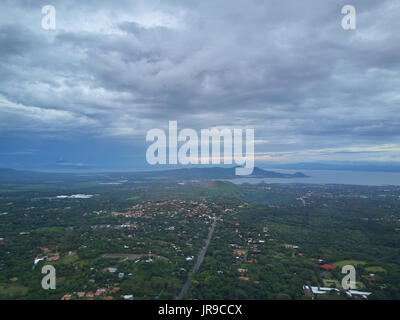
x=7, y=171
x=342, y=166
x=215, y=173
x=12, y=176
x=18, y=176
x=261, y=173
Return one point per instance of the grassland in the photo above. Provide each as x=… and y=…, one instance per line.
x=340, y=264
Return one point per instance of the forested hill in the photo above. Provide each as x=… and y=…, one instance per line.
x=218, y=173
x=11, y=176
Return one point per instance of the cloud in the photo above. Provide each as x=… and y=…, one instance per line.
x=114, y=70
x=38, y=119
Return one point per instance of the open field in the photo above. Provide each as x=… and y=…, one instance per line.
x=12, y=292
x=355, y=263
x=330, y=283
x=375, y=269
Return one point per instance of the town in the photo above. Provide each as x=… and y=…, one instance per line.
x=200, y=240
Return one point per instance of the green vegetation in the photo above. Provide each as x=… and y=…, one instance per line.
x=375, y=269
x=142, y=238
x=331, y=283
x=355, y=263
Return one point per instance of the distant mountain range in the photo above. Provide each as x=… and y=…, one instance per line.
x=342, y=166
x=216, y=173
x=15, y=176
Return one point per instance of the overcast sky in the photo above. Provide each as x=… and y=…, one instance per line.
x=87, y=92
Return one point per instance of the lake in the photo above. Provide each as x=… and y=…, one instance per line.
x=365, y=178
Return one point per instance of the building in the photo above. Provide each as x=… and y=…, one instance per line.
x=322, y=290
x=358, y=293
x=328, y=267
x=53, y=258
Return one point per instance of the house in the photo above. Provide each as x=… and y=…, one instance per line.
x=66, y=297
x=369, y=277
x=128, y=297
x=322, y=290
x=114, y=290
x=328, y=267
x=358, y=293
x=38, y=259
x=239, y=252
x=53, y=258
x=307, y=291
x=80, y=294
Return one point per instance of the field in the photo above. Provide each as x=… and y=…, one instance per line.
x=375, y=269
x=12, y=292
x=355, y=263
x=330, y=283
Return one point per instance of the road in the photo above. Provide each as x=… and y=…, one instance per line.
x=199, y=260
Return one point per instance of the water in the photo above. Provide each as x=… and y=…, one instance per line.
x=364, y=178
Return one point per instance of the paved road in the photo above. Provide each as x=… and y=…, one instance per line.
x=200, y=259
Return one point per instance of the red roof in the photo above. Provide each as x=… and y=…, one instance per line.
x=308, y=293
x=54, y=258
x=368, y=277
x=328, y=267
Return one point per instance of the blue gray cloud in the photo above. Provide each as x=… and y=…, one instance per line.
x=113, y=70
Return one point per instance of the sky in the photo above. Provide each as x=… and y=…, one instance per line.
x=85, y=94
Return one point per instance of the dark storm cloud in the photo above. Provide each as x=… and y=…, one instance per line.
x=286, y=68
